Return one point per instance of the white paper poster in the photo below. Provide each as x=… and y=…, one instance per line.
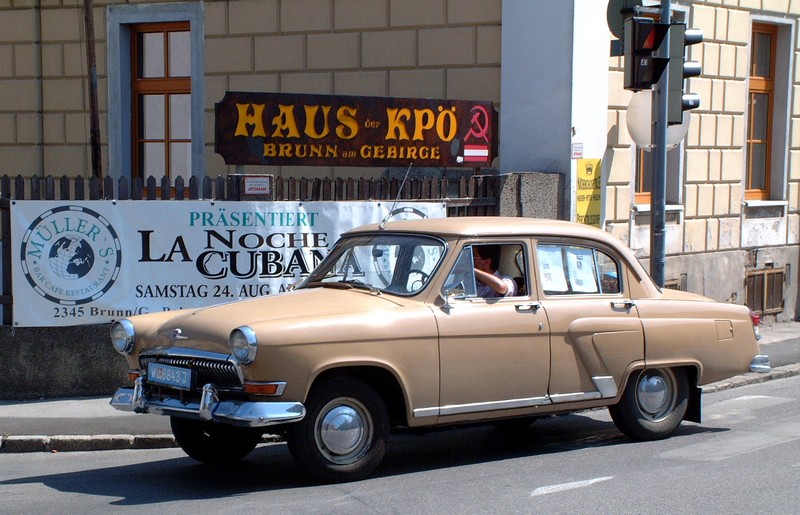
x=76, y=263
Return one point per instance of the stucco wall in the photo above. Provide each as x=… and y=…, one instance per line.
x=58, y=362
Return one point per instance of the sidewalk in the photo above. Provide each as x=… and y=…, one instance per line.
x=92, y=424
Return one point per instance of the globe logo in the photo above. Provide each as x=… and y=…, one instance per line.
x=71, y=258
x=71, y=255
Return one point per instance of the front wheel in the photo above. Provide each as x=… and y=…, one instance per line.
x=212, y=443
x=343, y=435
x=653, y=404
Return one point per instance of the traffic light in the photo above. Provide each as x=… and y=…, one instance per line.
x=680, y=69
x=642, y=37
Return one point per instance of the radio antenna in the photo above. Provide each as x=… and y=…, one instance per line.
x=397, y=198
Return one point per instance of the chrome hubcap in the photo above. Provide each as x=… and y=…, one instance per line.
x=344, y=431
x=655, y=393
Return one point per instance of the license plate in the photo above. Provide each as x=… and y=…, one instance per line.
x=169, y=376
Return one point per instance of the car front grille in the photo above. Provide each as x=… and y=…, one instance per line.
x=222, y=374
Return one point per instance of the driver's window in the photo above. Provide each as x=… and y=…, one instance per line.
x=488, y=270
x=461, y=280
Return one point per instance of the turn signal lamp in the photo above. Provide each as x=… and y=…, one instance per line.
x=264, y=388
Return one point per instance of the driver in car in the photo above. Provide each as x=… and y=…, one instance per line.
x=490, y=282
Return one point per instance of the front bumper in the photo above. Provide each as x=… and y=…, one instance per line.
x=209, y=408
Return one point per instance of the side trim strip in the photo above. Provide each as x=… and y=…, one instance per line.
x=606, y=383
x=457, y=409
x=426, y=412
x=574, y=397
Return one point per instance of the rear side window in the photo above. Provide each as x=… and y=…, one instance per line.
x=576, y=270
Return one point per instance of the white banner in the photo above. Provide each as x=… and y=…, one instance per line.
x=78, y=263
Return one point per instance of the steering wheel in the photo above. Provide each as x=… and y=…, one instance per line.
x=415, y=283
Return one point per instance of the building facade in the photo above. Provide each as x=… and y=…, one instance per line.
x=733, y=184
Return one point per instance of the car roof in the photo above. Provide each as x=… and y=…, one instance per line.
x=492, y=226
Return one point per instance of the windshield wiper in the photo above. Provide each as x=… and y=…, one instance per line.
x=338, y=285
x=343, y=285
x=355, y=283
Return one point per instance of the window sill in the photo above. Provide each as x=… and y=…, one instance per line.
x=765, y=208
x=645, y=208
x=673, y=214
x=766, y=203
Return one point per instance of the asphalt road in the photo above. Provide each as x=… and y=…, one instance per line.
x=744, y=458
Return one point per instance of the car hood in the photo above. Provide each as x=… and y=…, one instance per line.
x=208, y=328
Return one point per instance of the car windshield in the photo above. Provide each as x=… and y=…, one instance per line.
x=401, y=264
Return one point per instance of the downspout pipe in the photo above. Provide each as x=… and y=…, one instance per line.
x=94, y=115
x=38, y=91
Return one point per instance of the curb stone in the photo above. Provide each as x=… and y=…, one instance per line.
x=74, y=443
x=753, y=378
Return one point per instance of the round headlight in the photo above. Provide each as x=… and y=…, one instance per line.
x=244, y=345
x=123, y=336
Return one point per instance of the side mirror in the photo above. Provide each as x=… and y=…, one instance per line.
x=457, y=290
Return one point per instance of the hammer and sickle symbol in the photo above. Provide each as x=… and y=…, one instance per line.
x=479, y=124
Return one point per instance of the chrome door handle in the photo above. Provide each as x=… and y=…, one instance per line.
x=529, y=306
x=625, y=304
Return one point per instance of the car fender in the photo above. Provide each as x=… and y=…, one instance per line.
x=607, y=346
x=374, y=372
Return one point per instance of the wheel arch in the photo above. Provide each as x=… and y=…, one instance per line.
x=383, y=381
x=693, y=371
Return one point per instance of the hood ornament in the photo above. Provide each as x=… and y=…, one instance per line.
x=177, y=334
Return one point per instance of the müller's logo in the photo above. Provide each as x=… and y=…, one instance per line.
x=71, y=255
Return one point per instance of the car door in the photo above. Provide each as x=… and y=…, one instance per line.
x=595, y=331
x=494, y=352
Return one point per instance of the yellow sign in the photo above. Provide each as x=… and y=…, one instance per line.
x=588, y=199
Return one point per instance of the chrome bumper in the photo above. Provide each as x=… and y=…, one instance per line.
x=210, y=408
x=760, y=363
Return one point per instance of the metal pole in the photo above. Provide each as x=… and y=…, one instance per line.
x=658, y=196
x=94, y=116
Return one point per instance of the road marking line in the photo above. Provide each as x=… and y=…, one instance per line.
x=544, y=490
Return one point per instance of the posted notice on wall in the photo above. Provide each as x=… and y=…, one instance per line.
x=76, y=263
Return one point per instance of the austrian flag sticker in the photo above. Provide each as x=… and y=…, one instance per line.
x=476, y=153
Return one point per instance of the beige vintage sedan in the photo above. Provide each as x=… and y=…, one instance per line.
x=434, y=322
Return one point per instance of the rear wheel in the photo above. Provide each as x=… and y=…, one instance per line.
x=653, y=404
x=213, y=443
x=343, y=435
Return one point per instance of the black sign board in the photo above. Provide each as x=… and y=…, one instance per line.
x=322, y=130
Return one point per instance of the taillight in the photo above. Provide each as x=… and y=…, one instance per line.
x=756, y=319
